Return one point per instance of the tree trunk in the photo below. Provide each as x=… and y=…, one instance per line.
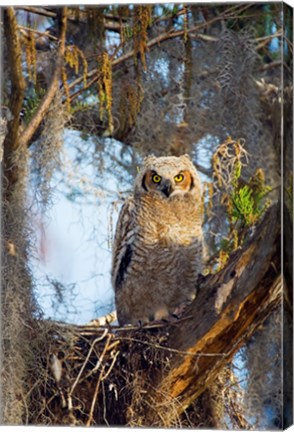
x=228, y=309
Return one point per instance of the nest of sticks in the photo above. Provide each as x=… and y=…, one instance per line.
x=106, y=375
x=95, y=375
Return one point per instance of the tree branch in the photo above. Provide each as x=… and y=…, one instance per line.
x=37, y=10
x=109, y=24
x=263, y=41
x=53, y=87
x=17, y=86
x=229, y=307
x=26, y=30
x=155, y=41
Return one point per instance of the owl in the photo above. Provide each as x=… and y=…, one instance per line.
x=158, y=248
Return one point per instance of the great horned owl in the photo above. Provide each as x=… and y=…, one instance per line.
x=158, y=246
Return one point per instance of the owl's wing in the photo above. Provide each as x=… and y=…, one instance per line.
x=122, y=247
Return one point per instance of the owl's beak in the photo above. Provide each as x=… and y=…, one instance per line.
x=167, y=188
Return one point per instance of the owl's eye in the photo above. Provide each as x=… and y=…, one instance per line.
x=179, y=178
x=156, y=178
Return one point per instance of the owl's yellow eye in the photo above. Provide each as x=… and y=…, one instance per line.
x=179, y=178
x=156, y=178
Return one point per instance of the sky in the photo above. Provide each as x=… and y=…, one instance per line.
x=74, y=235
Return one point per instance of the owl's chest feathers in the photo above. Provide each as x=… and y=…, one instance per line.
x=169, y=223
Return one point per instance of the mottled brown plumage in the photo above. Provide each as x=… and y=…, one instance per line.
x=158, y=246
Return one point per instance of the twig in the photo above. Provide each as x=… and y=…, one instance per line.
x=90, y=418
x=173, y=350
x=104, y=404
x=111, y=366
x=268, y=37
x=265, y=40
x=288, y=42
x=85, y=362
x=37, y=10
x=274, y=64
x=89, y=329
x=271, y=65
x=113, y=26
x=45, y=33
x=98, y=364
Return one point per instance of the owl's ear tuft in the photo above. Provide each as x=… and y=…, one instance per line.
x=187, y=157
x=149, y=159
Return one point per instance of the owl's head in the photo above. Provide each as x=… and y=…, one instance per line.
x=168, y=176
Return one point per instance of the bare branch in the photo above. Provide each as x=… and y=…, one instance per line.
x=90, y=419
x=98, y=339
x=266, y=39
x=109, y=24
x=37, y=10
x=25, y=30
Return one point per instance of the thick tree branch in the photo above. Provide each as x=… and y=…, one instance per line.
x=53, y=87
x=17, y=87
x=229, y=307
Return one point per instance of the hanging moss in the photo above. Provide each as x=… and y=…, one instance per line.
x=105, y=88
x=131, y=99
x=29, y=43
x=142, y=20
x=95, y=19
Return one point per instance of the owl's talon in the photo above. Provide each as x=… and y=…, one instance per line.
x=178, y=312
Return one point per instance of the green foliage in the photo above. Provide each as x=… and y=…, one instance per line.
x=31, y=104
x=79, y=106
x=244, y=202
x=243, y=205
x=248, y=201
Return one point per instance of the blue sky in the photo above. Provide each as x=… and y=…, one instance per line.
x=73, y=237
